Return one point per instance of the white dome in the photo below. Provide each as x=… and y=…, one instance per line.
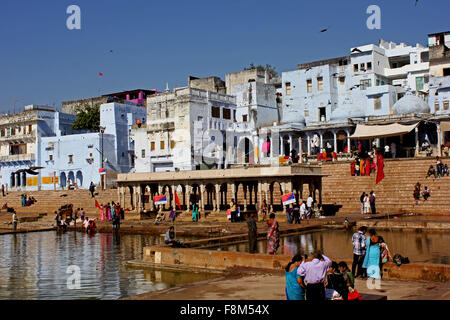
x=410, y=103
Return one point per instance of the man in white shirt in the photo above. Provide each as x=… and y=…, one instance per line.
x=302, y=210
x=386, y=151
x=309, y=202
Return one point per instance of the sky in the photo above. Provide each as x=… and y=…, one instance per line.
x=158, y=42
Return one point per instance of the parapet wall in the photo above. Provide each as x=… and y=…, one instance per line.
x=222, y=260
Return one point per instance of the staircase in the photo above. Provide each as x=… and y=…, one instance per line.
x=393, y=193
x=49, y=201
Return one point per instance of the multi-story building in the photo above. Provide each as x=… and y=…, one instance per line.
x=137, y=96
x=20, y=143
x=180, y=124
x=78, y=157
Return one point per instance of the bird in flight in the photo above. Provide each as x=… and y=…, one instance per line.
x=326, y=29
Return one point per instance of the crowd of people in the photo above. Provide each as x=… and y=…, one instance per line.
x=112, y=212
x=319, y=278
x=441, y=170
x=27, y=201
x=368, y=202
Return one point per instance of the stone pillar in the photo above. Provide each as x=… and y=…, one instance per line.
x=300, y=150
x=309, y=145
x=202, y=197
x=260, y=199
x=348, y=141
x=291, y=143
x=321, y=141
x=187, y=196
x=160, y=191
x=335, y=142
x=218, y=200
x=416, y=131
x=152, y=203
x=244, y=188
x=174, y=204
x=139, y=199
x=439, y=140
x=281, y=146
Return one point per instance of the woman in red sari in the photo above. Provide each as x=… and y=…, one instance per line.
x=367, y=168
x=273, y=235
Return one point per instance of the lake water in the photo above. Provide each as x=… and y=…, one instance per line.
x=34, y=266
x=419, y=247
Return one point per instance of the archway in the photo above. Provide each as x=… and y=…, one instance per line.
x=79, y=179
x=71, y=177
x=341, y=136
x=62, y=179
x=246, y=151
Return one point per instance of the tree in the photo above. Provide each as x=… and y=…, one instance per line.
x=270, y=69
x=88, y=118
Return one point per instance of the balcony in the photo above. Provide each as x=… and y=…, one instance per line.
x=18, y=157
x=19, y=136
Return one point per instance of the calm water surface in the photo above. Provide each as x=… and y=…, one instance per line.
x=34, y=265
x=429, y=247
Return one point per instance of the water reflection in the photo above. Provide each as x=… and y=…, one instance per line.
x=430, y=247
x=33, y=266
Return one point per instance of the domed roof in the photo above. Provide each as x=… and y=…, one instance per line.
x=410, y=103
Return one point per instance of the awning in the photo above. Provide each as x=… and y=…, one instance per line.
x=445, y=126
x=380, y=131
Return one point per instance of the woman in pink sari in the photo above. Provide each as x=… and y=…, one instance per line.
x=273, y=235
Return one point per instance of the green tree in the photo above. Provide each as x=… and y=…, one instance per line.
x=270, y=69
x=88, y=118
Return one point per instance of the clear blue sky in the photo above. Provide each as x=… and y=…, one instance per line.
x=154, y=42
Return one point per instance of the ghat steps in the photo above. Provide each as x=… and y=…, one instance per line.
x=394, y=194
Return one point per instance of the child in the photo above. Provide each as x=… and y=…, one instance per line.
x=348, y=275
x=431, y=172
x=426, y=193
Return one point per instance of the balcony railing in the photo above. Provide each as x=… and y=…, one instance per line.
x=18, y=157
x=19, y=135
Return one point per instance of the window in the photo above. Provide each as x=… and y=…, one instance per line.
x=319, y=84
x=2, y=132
x=215, y=112
x=50, y=157
x=143, y=153
x=377, y=103
x=244, y=118
x=152, y=145
x=70, y=158
x=361, y=67
x=309, y=85
x=445, y=104
x=446, y=72
x=167, y=112
x=436, y=106
x=322, y=114
x=306, y=113
x=13, y=131
x=369, y=65
x=90, y=155
x=355, y=67
x=226, y=113
x=162, y=145
x=419, y=83
x=364, y=84
x=288, y=88
x=341, y=81
x=30, y=128
x=18, y=148
x=172, y=144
